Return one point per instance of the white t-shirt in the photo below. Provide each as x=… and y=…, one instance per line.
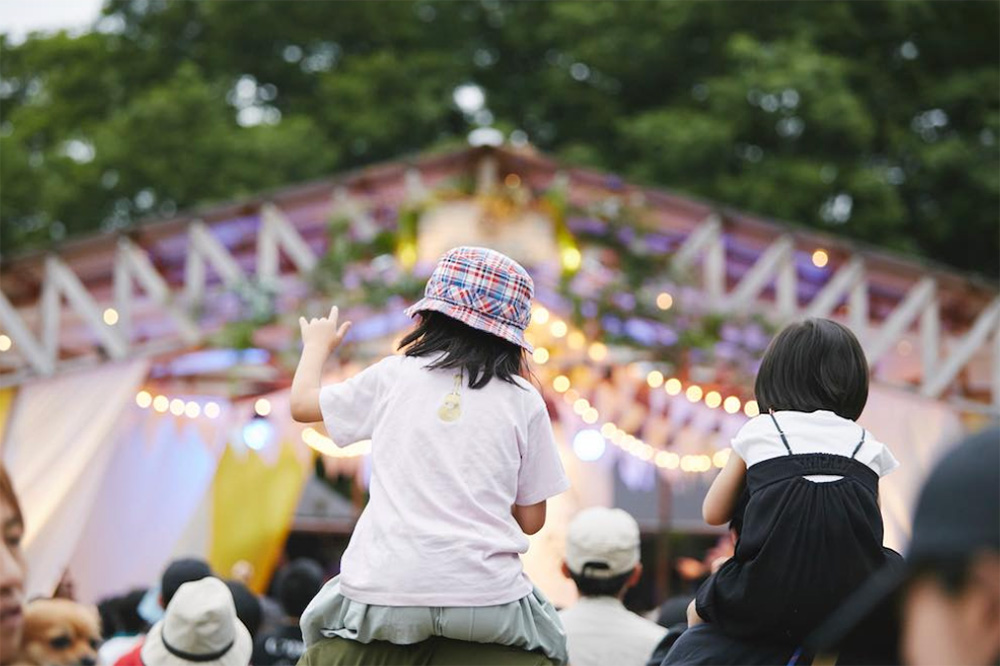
x=438, y=529
x=600, y=631
x=811, y=432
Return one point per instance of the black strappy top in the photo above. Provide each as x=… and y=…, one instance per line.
x=804, y=546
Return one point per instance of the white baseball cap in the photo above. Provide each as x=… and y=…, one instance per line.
x=200, y=626
x=602, y=543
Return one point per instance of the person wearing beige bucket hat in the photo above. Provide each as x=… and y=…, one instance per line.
x=199, y=627
x=463, y=461
x=602, y=559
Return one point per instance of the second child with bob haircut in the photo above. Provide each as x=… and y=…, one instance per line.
x=463, y=461
x=808, y=474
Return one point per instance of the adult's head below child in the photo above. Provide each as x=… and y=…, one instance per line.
x=602, y=559
x=602, y=552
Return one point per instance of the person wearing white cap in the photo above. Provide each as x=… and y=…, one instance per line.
x=602, y=558
x=199, y=627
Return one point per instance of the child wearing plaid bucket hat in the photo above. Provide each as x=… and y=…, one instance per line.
x=463, y=461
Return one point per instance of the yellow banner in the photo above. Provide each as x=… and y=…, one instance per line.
x=253, y=508
x=6, y=403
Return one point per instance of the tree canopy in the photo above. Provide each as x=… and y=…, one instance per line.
x=876, y=120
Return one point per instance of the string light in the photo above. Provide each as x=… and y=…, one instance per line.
x=654, y=379
x=189, y=408
x=697, y=463
x=576, y=340
x=512, y=180
x=541, y=355
x=721, y=458
x=571, y=258
x=713, y=399
x=558, y=328
x=664, y=301
x=5, y=343
x=598, y=351
x=540, y=315
x=325, y=445
x=110, y=316
x=143, y=399
x=262, y=407
x=751, y=409
x=820, y=258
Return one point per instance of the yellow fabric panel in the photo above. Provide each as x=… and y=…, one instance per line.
x=6, y=403
x=253, y=507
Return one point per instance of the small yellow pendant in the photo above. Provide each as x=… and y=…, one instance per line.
x=452, y=407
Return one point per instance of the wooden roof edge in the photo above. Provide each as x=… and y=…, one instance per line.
x=884, y=258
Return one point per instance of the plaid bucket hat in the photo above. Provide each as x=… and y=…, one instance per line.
x=483, y=289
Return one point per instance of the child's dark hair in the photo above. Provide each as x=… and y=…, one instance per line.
x=482, y=355
x=816, y=364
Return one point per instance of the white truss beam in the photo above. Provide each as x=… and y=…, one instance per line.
x=25, y=343
x=706, y=238
x=349, y=207
x=133, y=263
x=204, y=248
x=61, y=281
x=769, y=263
x=919, y=297
x=987, y=324
x=824, y=302
x=276, y=234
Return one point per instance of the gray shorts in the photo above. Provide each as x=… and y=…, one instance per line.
x=530, y=623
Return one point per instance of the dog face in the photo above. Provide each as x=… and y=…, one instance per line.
x=58, y=632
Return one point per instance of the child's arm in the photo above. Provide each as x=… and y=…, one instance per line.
x=319, y=338
x=725, y=492
x=531, y=518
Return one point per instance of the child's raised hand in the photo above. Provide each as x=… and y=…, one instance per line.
x=323, y=332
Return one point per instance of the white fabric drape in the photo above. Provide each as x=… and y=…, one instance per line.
x=57, y=453
x=919, y=431
x=157, y=481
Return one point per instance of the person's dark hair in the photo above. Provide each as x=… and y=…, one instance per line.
x=248, y=609
x=588, y=586
x=110, y=612
x=951, y=573
x=481, y=355
x=129, y=619
x=177, y=573
x=297, y=583
x=120, y=615
x=816, y=364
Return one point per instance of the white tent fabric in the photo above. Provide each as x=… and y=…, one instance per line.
x=57, y=453
x=919, y=431
x=158, y=480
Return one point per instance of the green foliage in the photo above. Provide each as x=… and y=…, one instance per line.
x=877, y=120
